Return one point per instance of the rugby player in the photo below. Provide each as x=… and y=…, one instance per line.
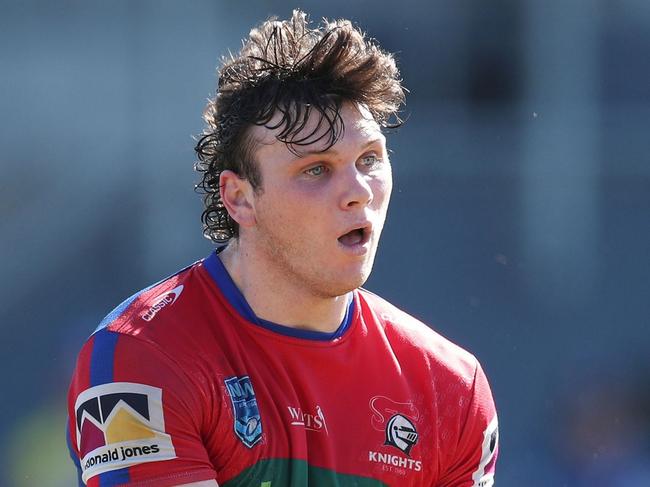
x=266, y=364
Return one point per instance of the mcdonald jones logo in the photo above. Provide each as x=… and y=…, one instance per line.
x=119, y=425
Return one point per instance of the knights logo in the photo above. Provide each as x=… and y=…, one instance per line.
x=401, y=433
x=247, y=420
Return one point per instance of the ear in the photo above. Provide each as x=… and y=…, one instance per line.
x=237, y=197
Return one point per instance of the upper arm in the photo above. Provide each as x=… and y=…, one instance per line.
x=135, y=416
x=473, y=464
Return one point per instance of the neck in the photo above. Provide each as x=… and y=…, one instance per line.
x=274, y=297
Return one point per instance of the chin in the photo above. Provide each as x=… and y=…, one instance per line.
x=346, y=283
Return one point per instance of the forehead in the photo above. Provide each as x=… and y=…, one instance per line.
x=358, y=127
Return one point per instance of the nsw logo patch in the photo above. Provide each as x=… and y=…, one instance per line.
x=119, y=425
x=247, y=420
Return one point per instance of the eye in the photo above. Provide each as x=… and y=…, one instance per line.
x=316, y=170
x=371, y=160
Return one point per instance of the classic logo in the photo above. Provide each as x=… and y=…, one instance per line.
x=399, y=431
x=165, y=299
x=119, y=425
x=247, y=420
x=309, y=421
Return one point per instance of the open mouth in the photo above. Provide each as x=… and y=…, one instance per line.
x=357, y=236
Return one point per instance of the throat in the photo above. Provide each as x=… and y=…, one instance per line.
x=272, y=297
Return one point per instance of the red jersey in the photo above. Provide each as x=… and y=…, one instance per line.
x=182, y=383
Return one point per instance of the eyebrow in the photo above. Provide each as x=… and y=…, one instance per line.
x=333, y=152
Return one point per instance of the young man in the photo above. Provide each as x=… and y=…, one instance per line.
x=265, y=364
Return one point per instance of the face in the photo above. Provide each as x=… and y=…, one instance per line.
x=319, y=215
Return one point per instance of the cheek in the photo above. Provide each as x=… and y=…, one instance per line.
x=288, y=210
x=383, y=189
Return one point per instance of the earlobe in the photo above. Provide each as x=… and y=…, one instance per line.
x=237, y=197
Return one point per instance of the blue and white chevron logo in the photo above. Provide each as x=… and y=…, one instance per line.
x=247, y=420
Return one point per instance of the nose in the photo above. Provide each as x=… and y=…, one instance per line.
x=357, y=191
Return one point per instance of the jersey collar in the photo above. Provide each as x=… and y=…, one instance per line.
x=231, y=292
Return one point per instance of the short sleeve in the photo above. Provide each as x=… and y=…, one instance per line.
x=135, y=416
x=473, y=464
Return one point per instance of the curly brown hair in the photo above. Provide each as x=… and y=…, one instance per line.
x=290, y=69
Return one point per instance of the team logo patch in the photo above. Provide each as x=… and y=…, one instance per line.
x=247, y=420
x=401, y=433
x=397, y=421
x=118, y=425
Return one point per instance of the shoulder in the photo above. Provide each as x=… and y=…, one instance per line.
x=143, y=347
x=169, y=311
x=142, y=334
x=411, y=336
x=133, y=314
x=143, y=384
x=163, y=323
x=459, y=392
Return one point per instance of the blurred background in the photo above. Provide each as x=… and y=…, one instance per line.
x=519, y=226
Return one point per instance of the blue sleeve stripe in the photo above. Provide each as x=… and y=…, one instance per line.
x=114, y=477
x=101, y=372
x=73, y=454
x=101, y=360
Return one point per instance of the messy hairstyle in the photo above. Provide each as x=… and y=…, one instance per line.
x=289, y=69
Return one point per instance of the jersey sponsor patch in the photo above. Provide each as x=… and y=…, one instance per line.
x=118, y=425
x=247, y=420
x=159, y=302
x=310, y=421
